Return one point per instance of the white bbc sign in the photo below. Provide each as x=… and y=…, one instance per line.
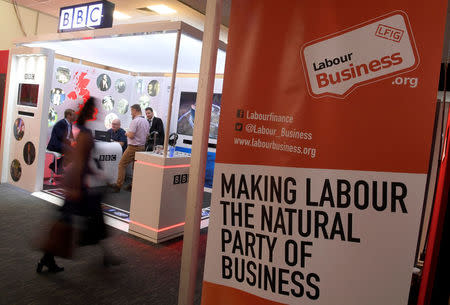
x=87, y=16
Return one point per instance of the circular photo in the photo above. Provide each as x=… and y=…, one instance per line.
x=139, y=86
x=122, y=106
x=108, y=103
x=57, y=96
x=109, y=118
x=120, y=85
x=103, y=82
x=15, y=170
x=153, y=88
x=62, y=75
x=144, y=101
x=19, y=129
x=52, y=117
x=29, y=153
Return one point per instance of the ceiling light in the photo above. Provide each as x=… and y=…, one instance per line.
x=119, y=15
x=162, y=9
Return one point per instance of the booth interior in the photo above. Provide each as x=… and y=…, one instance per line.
x=121, y=66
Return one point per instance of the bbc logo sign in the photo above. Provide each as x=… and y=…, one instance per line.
x=180, y=179
x=86, y=16
x=107, y=158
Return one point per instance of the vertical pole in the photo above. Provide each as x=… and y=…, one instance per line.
x=200, y=137
x=172, y=89
x=37, y=23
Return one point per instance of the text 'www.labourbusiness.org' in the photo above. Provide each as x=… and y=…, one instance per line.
x=307, y=151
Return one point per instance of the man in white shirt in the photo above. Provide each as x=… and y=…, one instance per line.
x=136, y=136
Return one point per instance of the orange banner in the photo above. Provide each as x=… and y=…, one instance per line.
x=323, y=150
x=383, y=126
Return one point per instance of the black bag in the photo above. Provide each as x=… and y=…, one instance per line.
x=59, y=241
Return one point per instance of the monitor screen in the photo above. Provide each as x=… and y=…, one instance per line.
x=186, y=114
x=28, y=95
x=102, y=136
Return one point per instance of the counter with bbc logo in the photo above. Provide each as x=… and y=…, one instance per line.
x=158, y=198
x=105, y=162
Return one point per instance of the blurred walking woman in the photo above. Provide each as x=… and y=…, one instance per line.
x=76, y=201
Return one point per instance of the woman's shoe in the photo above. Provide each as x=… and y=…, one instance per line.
x=54, y=268
x=39, y=267
x=51, y=266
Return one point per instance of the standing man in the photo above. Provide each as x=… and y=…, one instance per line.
x=136, y=135
x=61, y=137
x=118, y=134
x=156, y=124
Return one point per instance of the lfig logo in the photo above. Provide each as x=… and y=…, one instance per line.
x=380, y=48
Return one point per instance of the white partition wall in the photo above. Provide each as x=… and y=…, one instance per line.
x=125, y=89
x=157, y=98
x=25, y=107
x=71, y=78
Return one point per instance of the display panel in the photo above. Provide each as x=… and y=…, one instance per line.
x=186, y=114
x=28, y=95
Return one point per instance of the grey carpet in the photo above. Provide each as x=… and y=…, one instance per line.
x=149, y=275
x=119, y=200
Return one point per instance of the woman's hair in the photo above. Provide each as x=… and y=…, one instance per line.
x=86, y=112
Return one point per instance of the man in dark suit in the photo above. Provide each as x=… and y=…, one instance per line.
x=156, y=124
x=61, y=137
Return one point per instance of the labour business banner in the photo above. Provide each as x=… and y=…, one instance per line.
x=323, y=151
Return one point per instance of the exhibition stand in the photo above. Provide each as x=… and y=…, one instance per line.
x=152, y=64
x=158, y=200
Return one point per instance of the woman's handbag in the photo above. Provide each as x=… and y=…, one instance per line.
x=60, y=240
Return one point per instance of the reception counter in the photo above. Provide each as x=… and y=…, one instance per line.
x=108, y=155
x=158, y=198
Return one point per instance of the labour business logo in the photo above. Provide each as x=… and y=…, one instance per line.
x=337, y=64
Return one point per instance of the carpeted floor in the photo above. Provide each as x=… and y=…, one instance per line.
x=122, y=199
x=149, y=275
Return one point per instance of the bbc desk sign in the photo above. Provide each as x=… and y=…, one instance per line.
x=88, y=16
